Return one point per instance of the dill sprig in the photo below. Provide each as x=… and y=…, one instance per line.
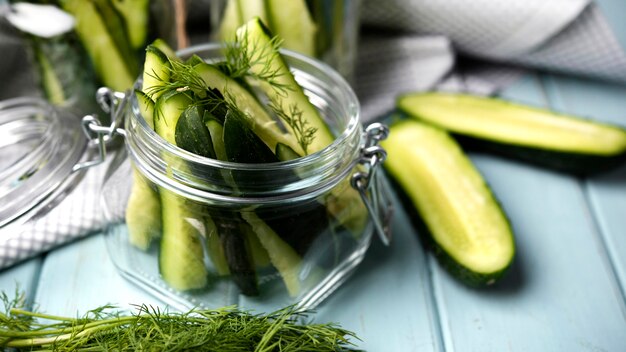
x=182, y=77
x=241, y=57
x=293, y=117
x=152, y=329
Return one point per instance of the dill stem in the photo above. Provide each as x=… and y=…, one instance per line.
x=42, y=332
x=71, y=334
x=18, y=311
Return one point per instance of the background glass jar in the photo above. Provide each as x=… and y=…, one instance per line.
x=324, y=29
x=264, y=236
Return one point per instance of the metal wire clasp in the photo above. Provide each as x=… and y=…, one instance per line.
x=373, y=194
x=113, y=103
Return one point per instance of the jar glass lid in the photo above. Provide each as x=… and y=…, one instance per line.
x=39, y=147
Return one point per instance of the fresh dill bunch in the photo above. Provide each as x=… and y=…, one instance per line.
x=152, y=329
x=293, y=118
x=241, y=57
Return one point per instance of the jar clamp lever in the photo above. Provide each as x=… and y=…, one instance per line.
x=113, y=103
x=375, y=198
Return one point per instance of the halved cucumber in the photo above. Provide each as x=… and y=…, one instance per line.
x=470, y=232
x=143, y=211
x=258, y=41
x=292, y=21
x=181, y=255
x=540, y=136
x=156, y=72
x=107, y=59
x=261, y=122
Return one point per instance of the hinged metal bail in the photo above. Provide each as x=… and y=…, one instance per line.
x=113, y=103
x=375, y=197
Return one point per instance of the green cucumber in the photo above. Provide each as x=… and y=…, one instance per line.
x=470, y=232
x=283, y=257
x=192, y=135
x=50, y=82
x=241, y=144
x=258, y=41
x=284, y=152
x=106, y=58
x=264, y=126
x=181, y=254
x=116, y=28
x=215, y=249
x=292, y=22
x=146, y=107
x=233, y=242
x=237, y=253
x=136, y=17
x=231, y=20
x=156, y=72
x=143, y=211
x=539, y=136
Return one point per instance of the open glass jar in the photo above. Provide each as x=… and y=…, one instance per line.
x=201, y=232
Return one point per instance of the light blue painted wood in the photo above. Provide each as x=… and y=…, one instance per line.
x=607, y=192
x=22, y=278
x=81, y=276
x=561, y=294
x=613, y=11
x=388, y=302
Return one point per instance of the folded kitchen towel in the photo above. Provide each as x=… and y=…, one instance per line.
x=571, y=36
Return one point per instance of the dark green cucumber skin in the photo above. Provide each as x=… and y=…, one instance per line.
x=460, y=272
x=570, y=163
x=238, y=257
x=579, y=164
x=298, y=226
x=192, y=134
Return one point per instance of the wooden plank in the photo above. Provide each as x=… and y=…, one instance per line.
x=561, y=294
x=388, y=301
x=22, y=277
x=80, y=276
x=607, y=192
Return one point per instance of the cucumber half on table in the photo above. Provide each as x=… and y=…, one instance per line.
x=455, y=208
x=562, y=142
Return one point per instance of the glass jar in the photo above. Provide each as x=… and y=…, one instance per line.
x=324, y=29
x=197, y=231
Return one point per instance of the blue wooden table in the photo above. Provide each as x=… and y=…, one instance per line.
x=565, y=292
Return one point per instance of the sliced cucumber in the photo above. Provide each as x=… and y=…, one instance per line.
x=192, y=134
x=536, y=135
x=156, y=72
x=471, y=234
x=215, y=249
x=263, y=126
x=146, y=107
x=181, y=255
x=258, y=40
x=285, y=153
x=116, y=28
x=231, y=19
x=242, y=145
x=136, y=16
x=52, y=86
x=292, y=22
x=143, y=211
x=252, y=8
x=283, y=257
x=107, y=60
